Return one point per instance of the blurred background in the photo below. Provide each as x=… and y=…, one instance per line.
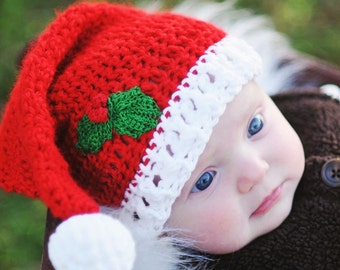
x=313, y=27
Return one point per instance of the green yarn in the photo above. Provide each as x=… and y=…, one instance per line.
x=130, y=113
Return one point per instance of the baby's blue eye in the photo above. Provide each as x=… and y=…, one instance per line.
x=255, y=125
x=204, y=181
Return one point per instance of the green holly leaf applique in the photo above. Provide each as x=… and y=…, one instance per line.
x=130, y=113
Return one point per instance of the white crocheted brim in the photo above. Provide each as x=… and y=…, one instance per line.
x=185, y=128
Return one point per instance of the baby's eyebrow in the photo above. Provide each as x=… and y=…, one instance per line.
x=248, y=107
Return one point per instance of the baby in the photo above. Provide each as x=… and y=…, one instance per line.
x=244, y=182
x=156, y=117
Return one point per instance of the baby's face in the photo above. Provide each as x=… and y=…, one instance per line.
x=244, y=182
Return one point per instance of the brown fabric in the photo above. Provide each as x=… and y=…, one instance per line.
x=314, y=73
x=310, y=237
x=51, y=225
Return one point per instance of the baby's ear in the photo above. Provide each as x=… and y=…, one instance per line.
x=92, y=241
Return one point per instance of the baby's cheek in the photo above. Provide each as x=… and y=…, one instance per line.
x=219, y=232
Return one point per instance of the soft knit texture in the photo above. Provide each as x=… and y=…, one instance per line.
x=119, y=252
x=310, y=237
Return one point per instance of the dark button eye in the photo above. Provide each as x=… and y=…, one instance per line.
x=330, y=172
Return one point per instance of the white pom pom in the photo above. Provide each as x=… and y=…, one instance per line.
x=92, y=241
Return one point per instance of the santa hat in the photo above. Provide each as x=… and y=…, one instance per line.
x=113, y=107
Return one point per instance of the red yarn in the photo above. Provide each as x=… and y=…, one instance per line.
x=87, y=53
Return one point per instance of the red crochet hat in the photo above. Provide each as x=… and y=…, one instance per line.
x=113, y=107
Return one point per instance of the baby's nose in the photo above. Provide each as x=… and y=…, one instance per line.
x=251, y=173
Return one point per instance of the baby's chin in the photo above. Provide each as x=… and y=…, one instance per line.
x=230, y=248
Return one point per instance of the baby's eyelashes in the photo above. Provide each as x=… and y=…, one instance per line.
x=204, y=181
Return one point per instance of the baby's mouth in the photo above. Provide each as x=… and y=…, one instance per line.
x=268, y=202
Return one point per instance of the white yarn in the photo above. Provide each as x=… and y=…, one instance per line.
x=92, y=242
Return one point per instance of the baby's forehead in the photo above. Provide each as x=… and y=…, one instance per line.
x=234, y=121
x=245, y=101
